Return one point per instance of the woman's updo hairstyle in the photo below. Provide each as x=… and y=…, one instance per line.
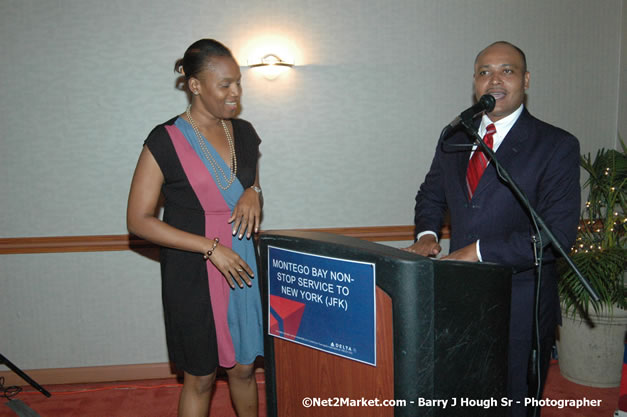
x=198, y=56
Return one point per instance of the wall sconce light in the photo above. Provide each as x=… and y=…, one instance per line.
x=270, y=59
x=271, y=65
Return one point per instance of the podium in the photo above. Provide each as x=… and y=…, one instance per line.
x=441, y=335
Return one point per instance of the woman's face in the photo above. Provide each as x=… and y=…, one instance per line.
x=219, y=88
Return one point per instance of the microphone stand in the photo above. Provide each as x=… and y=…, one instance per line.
x=11, y=366
x=502, y=172
x=542, y=230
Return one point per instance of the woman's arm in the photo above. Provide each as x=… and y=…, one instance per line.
x=142, y=221
x=141, y=217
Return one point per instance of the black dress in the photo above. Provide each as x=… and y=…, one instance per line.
x=207, y=323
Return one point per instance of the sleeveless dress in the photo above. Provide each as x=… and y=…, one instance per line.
x=207, y=323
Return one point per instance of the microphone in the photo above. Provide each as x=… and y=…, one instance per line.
x=486, y=103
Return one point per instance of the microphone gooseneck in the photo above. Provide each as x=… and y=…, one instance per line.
x=485, y=104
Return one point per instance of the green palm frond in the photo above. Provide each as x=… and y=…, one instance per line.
x=600, y=251
x=604, y=270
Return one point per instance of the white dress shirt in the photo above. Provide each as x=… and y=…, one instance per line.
x=503, y=127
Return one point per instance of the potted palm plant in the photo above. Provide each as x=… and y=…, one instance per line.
x=591, y=338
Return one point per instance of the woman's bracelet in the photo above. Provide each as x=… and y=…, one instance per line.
x=256, y=189
x=210, y=251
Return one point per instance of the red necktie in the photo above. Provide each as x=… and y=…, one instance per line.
x=479, y=162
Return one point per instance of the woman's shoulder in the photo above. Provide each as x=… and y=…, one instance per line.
x=242, y=124
x=159, y=133
x=245, y=130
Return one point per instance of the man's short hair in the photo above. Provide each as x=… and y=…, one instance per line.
x=522, y=54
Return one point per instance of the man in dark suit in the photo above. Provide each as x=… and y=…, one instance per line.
x=488, y=223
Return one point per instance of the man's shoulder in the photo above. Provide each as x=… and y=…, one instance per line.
x=542, y=128
x=549, y=138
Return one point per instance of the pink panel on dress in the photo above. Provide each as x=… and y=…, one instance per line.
x=217, y=214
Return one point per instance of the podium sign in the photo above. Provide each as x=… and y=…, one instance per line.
x=323, y=302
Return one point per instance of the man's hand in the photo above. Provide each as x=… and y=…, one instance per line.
x=425, y=246
x=467, y=253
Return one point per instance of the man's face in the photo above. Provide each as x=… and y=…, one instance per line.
x=500, y=72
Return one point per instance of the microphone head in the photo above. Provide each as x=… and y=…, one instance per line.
x=487, y=102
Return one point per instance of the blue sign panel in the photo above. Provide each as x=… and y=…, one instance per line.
x=324, y=303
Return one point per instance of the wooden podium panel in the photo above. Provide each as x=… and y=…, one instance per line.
x=349, y=378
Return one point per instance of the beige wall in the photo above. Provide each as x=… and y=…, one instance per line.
x=85, y=81
x=348, y=134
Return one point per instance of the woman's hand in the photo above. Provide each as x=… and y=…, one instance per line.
x=234, y=268
x=247, y=214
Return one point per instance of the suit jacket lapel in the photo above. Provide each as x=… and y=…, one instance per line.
x=460, y=161
x=461, y=146
x=507, y=151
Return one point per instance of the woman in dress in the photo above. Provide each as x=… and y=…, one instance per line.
x=204, y=163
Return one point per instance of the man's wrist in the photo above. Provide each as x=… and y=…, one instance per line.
x=478, y=248
x=427, y=232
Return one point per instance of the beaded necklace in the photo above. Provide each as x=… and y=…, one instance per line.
x=214, y=164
